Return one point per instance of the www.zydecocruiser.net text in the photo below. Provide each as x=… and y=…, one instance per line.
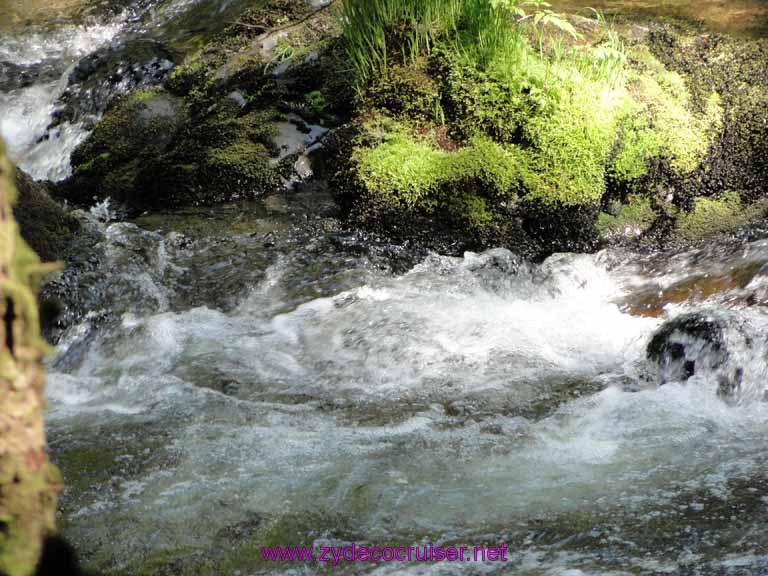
x=355, y=553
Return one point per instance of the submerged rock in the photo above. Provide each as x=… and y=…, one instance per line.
x=698, y=344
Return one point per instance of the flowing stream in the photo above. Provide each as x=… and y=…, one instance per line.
x=254, y=375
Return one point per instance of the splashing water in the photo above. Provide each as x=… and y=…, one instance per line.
x=471, y=400
x=26, y=112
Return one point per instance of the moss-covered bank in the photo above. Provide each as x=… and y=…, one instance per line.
x=556, y=136
x=552, y=143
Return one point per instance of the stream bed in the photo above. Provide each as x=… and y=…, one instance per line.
x=256, y=375
x=465, y=401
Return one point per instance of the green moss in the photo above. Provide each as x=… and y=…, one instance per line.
x=571, y=147
x=643, y=60
x=712, y=216
x=473, y=209
x=407, y=91
x=630, y=220
x=559, y=127
x=737, y=70
x=316, y=102
x=413, y=172
x=25, y=492
x=141, y=96
x=639, y=145
x=244, y=165
x=195, y=73
x=402, y=167
x=664, y=124
x=564, y=127
x=475, y=103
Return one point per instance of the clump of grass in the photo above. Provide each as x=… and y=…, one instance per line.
x=378, y=31
x=371, y=29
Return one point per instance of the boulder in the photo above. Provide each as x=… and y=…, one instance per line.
x=150, y=151
x=46, y=226
x=699, y=344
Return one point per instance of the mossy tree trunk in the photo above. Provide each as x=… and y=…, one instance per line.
x=28, y=481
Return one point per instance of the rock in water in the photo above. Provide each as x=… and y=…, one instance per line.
x=46, y=226
x=698, y=344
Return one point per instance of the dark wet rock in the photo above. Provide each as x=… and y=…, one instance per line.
x=495, y=269
x=698, y=344
x=151, y=152
x=688, y=343
x=46, y=226
x=14, y=76
x=109, y=73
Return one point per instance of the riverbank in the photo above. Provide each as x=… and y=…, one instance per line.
x=597, y=135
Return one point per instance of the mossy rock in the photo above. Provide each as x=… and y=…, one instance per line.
x=208, y=135
x=151, y=152
x=242, y=166
x=405, y=182
x=737, y=69
x=135, y=131
x=627, y=221
x=663, y=122
x=722, y=215
x=46, y=226
x=568, y=152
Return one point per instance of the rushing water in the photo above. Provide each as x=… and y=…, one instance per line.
x=466, y=401
x=253, y=375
